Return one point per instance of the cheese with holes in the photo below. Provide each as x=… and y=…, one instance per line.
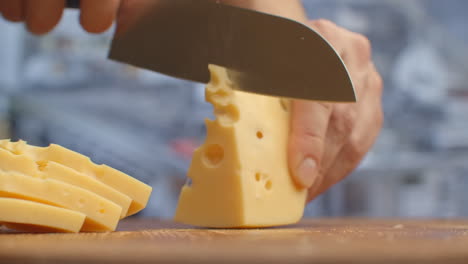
x=52, y=170
x=239, y=176
x=101, y=214
x=121, y=182
x=36, y=217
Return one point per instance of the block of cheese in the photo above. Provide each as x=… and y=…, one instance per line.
x=101, y=214
x=51, y=170
x=136, y=190
x=36, y=217
x=239, y=177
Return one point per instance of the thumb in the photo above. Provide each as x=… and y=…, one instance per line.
x=309, y=123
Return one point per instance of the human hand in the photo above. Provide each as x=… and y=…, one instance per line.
x=41, y=16
x=328, y=140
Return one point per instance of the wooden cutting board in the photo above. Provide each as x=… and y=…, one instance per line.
x=311, y=241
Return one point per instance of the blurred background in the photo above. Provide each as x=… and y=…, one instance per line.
x=61, y=89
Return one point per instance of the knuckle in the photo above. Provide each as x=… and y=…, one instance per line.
x=324, y=27
x=355, y=151
x=343, y=120
x=363, y=46
x=378, y=82
x=308, y=135
x=362, y=42
x=323, y=23
x=375, y=84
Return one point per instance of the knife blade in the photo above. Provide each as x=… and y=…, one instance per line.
x=263, y=53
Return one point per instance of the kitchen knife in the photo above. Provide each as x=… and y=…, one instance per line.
x=264, y=54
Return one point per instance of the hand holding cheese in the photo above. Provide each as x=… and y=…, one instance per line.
x=328, y=141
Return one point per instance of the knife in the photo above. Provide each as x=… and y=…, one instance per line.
x=263, y=53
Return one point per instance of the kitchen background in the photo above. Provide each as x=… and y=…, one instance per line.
x=61, y=88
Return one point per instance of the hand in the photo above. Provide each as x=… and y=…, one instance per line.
x=328, y=141
x=41, y=16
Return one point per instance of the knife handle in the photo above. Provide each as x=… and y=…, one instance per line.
x=75, y=4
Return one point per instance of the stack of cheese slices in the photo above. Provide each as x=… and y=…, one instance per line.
x=53, y=189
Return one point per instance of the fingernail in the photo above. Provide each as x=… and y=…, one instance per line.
x=306, y=172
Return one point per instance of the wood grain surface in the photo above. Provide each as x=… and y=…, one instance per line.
x=311, y=241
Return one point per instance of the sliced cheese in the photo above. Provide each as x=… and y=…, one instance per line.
x=51, y=170
x=240, y=176
x=36, y=217
x=136, y=190
x=101, y=214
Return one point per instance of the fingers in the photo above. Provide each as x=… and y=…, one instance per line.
x=309, y=122
x=348, y=159
x=352, y=128
x=342, y=123
x=361, y=139
x=319, y=131
x=331, y=32
x=344, y=116
x=309, y=127
x=12, y=10
x=42, y=16
x=361, y=48
x=98, y=16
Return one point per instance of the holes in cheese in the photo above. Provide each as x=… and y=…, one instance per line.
x=214, y=155
x=259, y=134
x=268, y=185
x=264, y=180
x=44, y=169
x=137, y=191
x=51, y=192
x=252, y=186
x=258, y=176
x=36, y=217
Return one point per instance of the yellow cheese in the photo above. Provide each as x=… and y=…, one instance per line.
x=52, y=170
x=136, y=190
x=36, y=217
x=101, y=214
x=240, y=176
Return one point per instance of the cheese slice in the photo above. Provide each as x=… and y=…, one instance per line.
x=36, y=217
x=240, y=176
x=136, y=190
x=52, y=170
x=101, y=214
